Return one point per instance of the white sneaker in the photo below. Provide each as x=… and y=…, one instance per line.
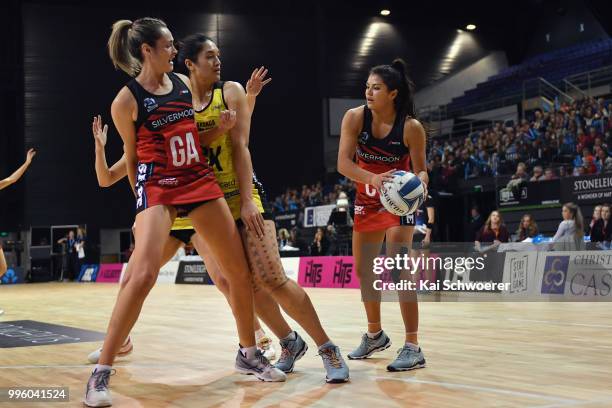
x=126, y=349
x=260, y=367
x=1, y=312
x=264, y=345
x=97, y=393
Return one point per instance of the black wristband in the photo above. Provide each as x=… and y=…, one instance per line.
x=429, y=225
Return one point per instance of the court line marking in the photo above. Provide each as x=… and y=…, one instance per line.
x=483, y=389
x=92, y=366
x=574, y=404
x=560, y=323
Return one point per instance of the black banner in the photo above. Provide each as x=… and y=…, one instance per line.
x=287, y=220
x=26, y=333
x=193, y=272
x=529, y=193
x=592, y=189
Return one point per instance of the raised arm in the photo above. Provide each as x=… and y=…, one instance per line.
x=351, y=125
x=106, y=176
x=254, y=86
x=236, y=100
x=19, y=172
x=123, y=111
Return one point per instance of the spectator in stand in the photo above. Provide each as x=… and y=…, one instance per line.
x=295, y=240
x=320, y=244
x=283, y=238
x=521, y=172
x=537, y=174
x=494, y=230
x=570, y=234
x=475, y=224
x=70, y=256
x=79, y=247
x=601, y=231
x=603, y=161
x=589, y=165
x=527, y=228
x=596, y=216
x=549, y=174
x=278, y=205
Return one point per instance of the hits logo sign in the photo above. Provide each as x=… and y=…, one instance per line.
x=342, y=273
x=313, y=273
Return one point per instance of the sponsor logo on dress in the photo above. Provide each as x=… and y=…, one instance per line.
x=168, y=181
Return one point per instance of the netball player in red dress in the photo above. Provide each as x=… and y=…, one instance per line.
x=179, y=237
x=170, y=175
x=377, y=139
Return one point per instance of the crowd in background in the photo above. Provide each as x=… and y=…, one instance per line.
x=313, y=195
x=571, y=139
x=494, y=230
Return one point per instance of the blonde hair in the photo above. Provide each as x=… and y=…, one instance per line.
x=126, y=39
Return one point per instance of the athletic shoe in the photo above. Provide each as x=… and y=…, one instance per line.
x=260, y=367
x=337, y=370
x=264, y=345
x=1, y=312
x=126, y=349
x=292, y=351
x=97, y=393
x=370, y=346
x=407, y=359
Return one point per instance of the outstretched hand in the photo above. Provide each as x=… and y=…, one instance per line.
x=257, y=81
x=99, y=131
x=30, y=155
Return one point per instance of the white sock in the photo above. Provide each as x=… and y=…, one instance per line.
x=373, y=335
x=291, y=336
x=102, y=367
x=248, y=352
x=259, y=333
x=413, y=346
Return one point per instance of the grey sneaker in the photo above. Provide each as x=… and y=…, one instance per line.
x=370, y=346
x=407, y=359
x=97, y=393
x=337, y=370
x=260, y=367
x=292, y=351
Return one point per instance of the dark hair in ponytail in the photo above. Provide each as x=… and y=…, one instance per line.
x=189, y=48
x=126, y=39
x=395, y=76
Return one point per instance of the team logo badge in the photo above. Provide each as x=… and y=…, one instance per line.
x=149, y=104
x=364, y=137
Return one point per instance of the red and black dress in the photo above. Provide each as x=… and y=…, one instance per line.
x=379, y=155
x=172, y=170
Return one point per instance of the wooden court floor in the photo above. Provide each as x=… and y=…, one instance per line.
x=540, y=355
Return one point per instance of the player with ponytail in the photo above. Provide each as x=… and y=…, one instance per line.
x=377, y=139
